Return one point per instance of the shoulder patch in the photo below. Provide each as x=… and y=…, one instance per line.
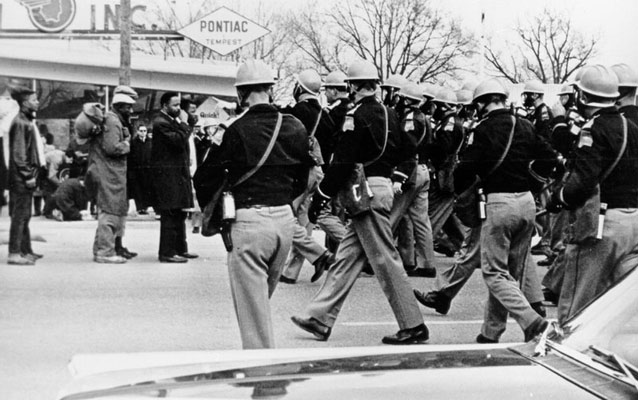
x=449, y=127
x=585, y=139
x=348, y=124
x=408, y=124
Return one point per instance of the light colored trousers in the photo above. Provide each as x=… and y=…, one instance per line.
x=109, y=226
x=414, y=203
x=368, y=238
x=506, y=237
x=450, y=281
x=592, y=267
x=304, y=247
x=262, y=238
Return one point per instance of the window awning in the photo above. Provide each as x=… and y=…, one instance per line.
x=90, y=64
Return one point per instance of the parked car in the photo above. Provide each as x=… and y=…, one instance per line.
x=593, y=356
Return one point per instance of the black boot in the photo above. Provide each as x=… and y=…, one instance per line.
x=122, y=251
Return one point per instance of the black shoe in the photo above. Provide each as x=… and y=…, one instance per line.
x=322, y=264
x=418, y=334
x=541, y=250
x=436, y=300
x=285, y=279
x=539, y=308
x=484, y=340
x=312, y=325
x=444, y=250
x=425, y=272
x=550, y=296
x=189, y=255
x=172, y=259
x=124, y=252
x=536, y=328
x=547, y=262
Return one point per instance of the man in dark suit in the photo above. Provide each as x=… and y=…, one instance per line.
x=171, y=179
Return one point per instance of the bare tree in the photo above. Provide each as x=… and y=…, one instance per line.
x=547, y=48
x=405, y=37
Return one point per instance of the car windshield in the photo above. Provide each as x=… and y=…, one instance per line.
x=610, y=323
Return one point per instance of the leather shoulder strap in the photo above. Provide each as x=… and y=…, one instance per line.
x=266, y=153
x=385, y=139
x=620, y=153
x=507, y=148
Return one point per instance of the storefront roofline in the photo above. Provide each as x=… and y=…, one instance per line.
x=101, y=67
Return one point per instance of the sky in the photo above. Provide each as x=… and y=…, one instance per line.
x=614, y=21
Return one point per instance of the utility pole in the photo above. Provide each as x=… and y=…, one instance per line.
x=125, y=42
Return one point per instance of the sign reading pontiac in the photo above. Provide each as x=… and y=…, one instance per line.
x=223, y=31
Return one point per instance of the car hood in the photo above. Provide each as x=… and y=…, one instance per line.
x=432, y=372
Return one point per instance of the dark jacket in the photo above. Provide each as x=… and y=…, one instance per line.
x=106, y=175
x=362, y=141
x=598, y=146
x=417, y=129
x=282, y=178
x=486, y=147
x=140, y=178
x=310, y=113
x=630, y=112
x=542, y=120
x=23, y=152
x=170, y=161
x=71, y=198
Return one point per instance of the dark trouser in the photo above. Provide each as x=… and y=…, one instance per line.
x=172, y=233
x=20, y=200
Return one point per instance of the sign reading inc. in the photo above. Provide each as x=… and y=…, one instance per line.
x=223, y=31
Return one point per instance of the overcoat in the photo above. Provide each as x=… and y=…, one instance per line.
x=170, y=160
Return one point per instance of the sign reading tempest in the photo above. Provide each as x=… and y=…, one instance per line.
x=50, y=15
x=224, y=31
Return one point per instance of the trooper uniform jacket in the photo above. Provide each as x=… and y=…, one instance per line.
x=598, y=145
x=362, y=141
x=418, y=132
x=337, y=112
x=486, y=147
x=282, y=178
x=448, y=137
x=311, y=114
x=630, y=112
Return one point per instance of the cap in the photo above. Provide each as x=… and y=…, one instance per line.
x=121, y=98
x=127, y=90
x=18, y=93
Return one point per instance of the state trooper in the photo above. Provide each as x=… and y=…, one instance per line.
x=507, y=229
x=262, y=232
x=411, y=183
x=320, y=130
x=371, y=131
x=540, y=114
x=332, y=219
x=627, y=85
x=450, y=281
x=541, y=117
x=604, y=160
x=447, y=142
x=390, y=89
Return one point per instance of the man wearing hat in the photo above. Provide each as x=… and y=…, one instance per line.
x=26, y=157
x=106, y=177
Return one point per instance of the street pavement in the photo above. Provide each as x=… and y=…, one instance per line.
x=67, y=305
